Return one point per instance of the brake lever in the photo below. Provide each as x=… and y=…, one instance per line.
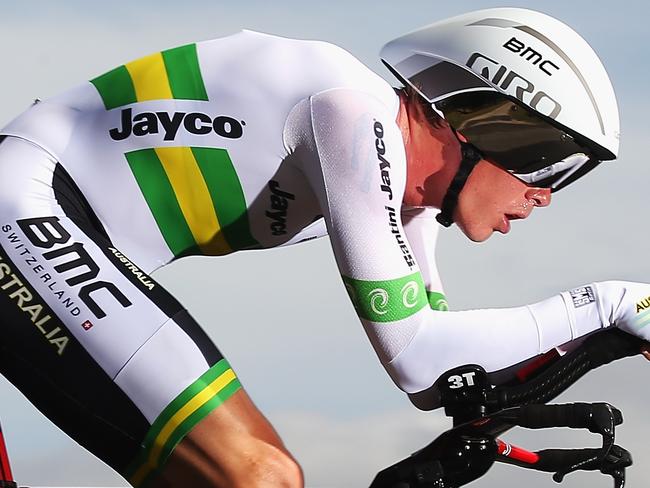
x=603, y=421
x=610, y=460
x=615, y=463
x=599, y=418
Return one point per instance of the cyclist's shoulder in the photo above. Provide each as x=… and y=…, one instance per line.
x=256, y=75
x=49, y=123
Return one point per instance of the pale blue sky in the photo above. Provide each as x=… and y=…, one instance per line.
x=299, y=349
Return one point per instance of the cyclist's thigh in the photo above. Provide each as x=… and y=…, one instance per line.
x=95, y=343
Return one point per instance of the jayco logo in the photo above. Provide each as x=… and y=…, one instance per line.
x=384, y=164
x=279, y=207
x=145, y=123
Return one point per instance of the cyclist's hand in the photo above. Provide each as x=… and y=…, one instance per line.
x=627, y=306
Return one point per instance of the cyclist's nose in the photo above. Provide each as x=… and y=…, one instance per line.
x=540, y=196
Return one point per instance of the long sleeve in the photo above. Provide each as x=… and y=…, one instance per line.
x=354, y=159
x=421, y=228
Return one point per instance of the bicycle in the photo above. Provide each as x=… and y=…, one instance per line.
x=6, y=477
x=481, y=413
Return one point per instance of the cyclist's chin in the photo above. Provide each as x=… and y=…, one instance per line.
x=476, y=233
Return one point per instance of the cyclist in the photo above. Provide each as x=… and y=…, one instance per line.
x=254, y=141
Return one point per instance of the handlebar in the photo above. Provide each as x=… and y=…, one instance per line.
x=481, y=413
x=599, y=349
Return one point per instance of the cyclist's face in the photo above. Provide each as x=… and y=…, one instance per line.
x=492, y=198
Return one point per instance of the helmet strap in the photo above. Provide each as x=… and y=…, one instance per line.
x=470, y=156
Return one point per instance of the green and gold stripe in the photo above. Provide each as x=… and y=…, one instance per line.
x=195, y=197
x=199, y=399
x=171, y=74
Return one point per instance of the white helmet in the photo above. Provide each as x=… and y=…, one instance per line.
x=523, y=88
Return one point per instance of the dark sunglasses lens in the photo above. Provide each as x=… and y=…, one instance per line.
x=507, y=132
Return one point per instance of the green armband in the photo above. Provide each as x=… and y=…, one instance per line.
x=388, y=300
x=437, y=301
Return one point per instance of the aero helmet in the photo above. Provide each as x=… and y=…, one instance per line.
x=523, y=88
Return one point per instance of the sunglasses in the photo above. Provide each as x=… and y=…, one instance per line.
x=518, y=139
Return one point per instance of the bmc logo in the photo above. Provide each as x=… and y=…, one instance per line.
x=529, y=54
x=145, y=123
x=515, y=84
x=45, y=233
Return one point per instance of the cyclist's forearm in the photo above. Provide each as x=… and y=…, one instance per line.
x=500, y=338
x=493, y=338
